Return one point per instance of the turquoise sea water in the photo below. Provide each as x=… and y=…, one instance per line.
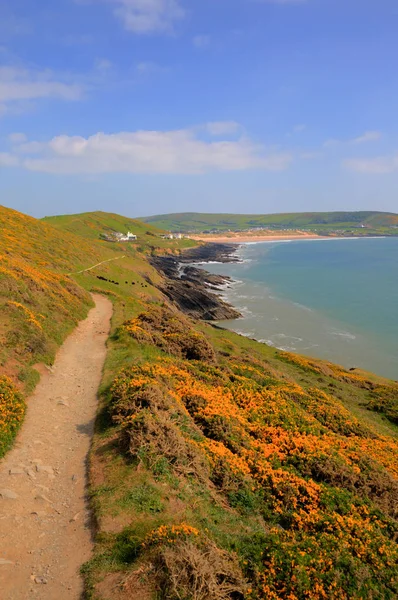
x=334, y=299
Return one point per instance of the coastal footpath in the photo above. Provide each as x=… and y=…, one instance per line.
x=220, y=468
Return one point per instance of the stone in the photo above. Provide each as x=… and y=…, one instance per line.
x=45, y=469
x=42, y=487
x=16, y=471
x=42, y=498
x=40, y=579
x=75, y=518
x=63, y=403
x=8, y=494
x=30, y=473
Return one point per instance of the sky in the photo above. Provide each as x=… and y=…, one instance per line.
x=145, y=107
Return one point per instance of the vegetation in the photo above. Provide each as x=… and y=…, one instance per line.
x=12, y=412
x=41, y=303
x=324, y=223
x=271, y=478
x=221, y=468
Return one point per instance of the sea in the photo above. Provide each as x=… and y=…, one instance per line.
x=335, y=299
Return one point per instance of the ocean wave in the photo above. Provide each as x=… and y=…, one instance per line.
x=303, y=307
x=288, y=337
x=344, y=334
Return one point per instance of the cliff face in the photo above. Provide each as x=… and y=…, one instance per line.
x=192, y=289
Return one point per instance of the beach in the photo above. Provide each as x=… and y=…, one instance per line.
x=242, y=238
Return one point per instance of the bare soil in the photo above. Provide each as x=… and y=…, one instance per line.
x=45, y=532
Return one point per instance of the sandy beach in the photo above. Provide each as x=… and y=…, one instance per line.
x=241, y=238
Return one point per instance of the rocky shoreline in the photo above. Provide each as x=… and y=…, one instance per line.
x=193, y=289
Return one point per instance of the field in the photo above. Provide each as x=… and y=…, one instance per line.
x=221, y=468
x=322, y=223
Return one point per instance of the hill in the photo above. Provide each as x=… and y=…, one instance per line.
x=321, y=222
x=40, y=302
x=90, y=225
x=221, y=468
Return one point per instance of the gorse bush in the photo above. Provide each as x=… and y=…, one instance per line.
x=12, y=412
x=322, y=484
x=169, y=330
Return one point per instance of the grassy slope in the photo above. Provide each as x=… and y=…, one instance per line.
x=199, y=222
x=220, y=462
x=265, y=465
x=40, y=304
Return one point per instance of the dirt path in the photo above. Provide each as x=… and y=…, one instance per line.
x=97, y=265
x=44, y=524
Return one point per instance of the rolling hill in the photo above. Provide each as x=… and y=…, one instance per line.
x=202, y=222
x=221, y=468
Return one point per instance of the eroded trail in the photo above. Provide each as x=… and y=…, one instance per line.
x=45, y=533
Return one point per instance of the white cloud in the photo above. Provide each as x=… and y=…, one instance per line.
x=368, y=136
x=21, y=85
x=373, y=166
x=17, y=138
x=201, y=41
x=299, y=128
x=171, y=152
x=8, y=160
x=222, y=127
x=148, y=16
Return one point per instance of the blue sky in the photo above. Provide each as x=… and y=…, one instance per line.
x=153, y=106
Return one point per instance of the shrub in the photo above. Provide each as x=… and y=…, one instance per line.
x=188, y=566
x=172, y=332
x=12, y=411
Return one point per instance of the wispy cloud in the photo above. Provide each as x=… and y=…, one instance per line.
x=150, y=68
x=172, y=152
x=380, y=165
x=145, y=16
x=201, y=41
x=17, y=138
x=368, y=136
x=103, y=64
x=21, y=85
x=8, y=160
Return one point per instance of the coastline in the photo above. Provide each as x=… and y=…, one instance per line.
x=239, y=240
x=194, y=290
x=244, y=239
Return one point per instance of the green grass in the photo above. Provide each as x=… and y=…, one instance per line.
x=135, y=492
x=322, y=222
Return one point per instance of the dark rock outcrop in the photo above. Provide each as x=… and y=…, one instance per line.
x=191, y=289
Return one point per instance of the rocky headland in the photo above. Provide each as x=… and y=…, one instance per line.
x=194, y=290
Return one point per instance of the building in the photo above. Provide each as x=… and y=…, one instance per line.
x=117, y=236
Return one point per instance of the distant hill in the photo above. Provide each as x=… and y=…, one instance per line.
x=91, y=224
x=323, y=221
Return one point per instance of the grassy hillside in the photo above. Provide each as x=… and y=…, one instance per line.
x=90, y=225
x=225, y=469
x=221, y=468
x=40, y=303
x=323, y=222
